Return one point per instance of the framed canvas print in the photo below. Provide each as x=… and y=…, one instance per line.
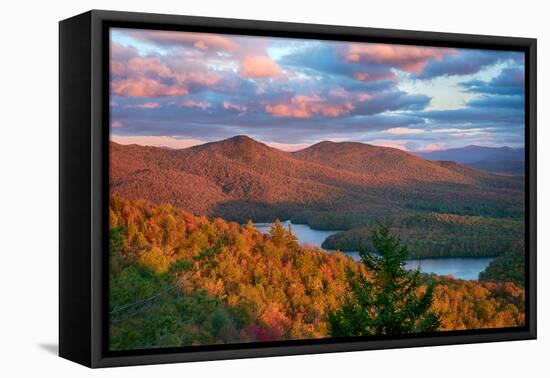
x=233, y=188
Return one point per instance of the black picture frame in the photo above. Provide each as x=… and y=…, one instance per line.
x=84, y=179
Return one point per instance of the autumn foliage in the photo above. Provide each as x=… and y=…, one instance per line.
x=179, y=280
x=329, y=185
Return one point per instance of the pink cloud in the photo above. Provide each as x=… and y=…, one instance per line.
x=342, y=94
x=121, y=52
x=339, y=92
x=196, y=104
x=156, y=141
x=230, y=106
x=258, y=66
x=148, y=65
x=144, y=87
x=146, y=105
x=410, y=59
x=434, y=147
x=302, y=106
x=201, y=41
x=405, y=131
x=117, y=68
x=149, y=77
x=120, y=55
x=288, y=147
x=363, y=76
x=364, y=96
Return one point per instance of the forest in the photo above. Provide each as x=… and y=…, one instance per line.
x=178, y=279
x=439, y=208
x=443, y=235
x=510, y=267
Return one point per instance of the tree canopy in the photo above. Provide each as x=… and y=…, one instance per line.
x=177, y=280
x=390, y=300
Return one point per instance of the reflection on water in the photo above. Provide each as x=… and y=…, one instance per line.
x=304, y=233
x=466, y=268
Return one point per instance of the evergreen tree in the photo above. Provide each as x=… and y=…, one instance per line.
x=291, y=238
x=277, y=233
x=250, y=227
x=388, y=300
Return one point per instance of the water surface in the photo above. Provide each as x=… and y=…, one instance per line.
x=466, y=268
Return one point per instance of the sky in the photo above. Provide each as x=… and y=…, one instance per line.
x=179, y=89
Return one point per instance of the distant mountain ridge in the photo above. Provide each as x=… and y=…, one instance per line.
x=391, y=164
x=240, y=178
x=492, y=159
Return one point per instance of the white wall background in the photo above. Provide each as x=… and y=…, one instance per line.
x=29, y=188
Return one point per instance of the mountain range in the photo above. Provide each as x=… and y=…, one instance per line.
x=329, y=185
x=492, y=159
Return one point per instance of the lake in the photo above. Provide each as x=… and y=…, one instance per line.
x=466, y=268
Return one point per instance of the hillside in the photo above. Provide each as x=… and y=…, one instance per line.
x=328, y=185
x=382, y=164
x=181, y=280
x=442, y=235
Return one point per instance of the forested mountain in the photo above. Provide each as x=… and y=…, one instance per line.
x=510, y=267
x=383, y=164
x=443, y=235
x=181, y=280
x=328, y=185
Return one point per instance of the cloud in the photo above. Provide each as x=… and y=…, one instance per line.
x=498, y=102
x=145, y=87
x=410, y=59
x=258, y=67
x=219, y=123
x=464, y=62
x=151, y=76
x=374, y=76
x=453, y=130
x=477, y=115
x=116, y=125
x=364, y=96
x=405, y=131
x=511, y=81
x=288, y=147
x=230, y=106
x=144, y=105
x=120, y=54
x=294, y=93
x=302, y=106
x=329, y=59
x=196, y=104
x=156, y=141
x=433, y=147
x=462, y=133
x=391, y=101
x=201, y=41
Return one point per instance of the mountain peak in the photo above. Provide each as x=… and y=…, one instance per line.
x=239, y=147
x=337, y=145
x=234, y=142
x=241, y=139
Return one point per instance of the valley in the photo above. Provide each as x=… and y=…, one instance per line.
x=440, y=208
